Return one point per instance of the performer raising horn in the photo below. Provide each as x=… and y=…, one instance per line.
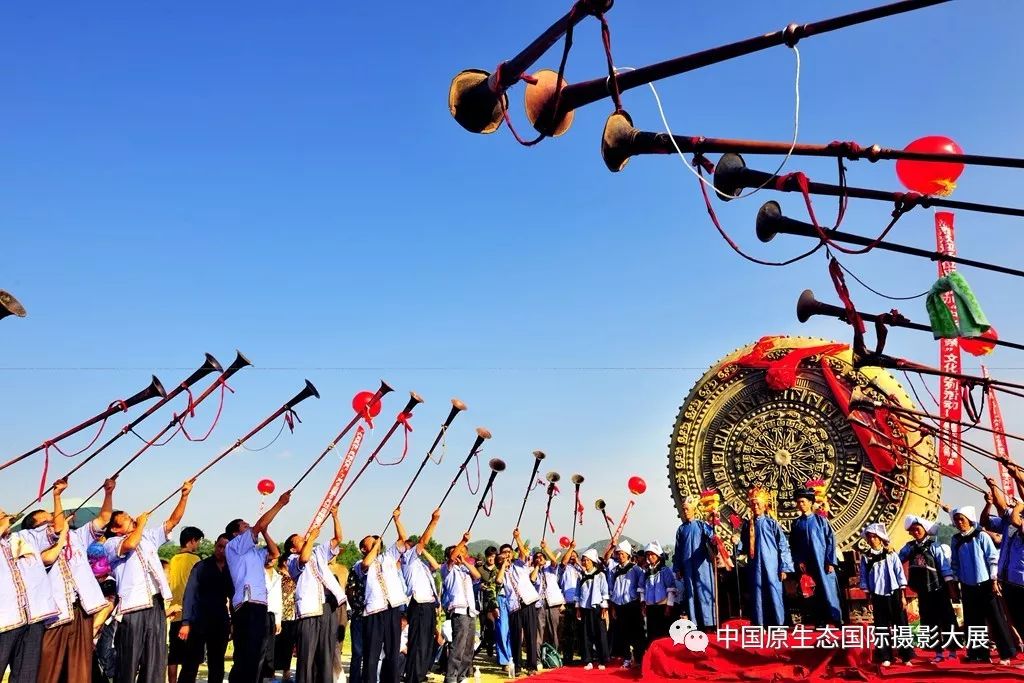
x=764, y=543
x=384, y=599
x=141, y=640
x=518, y=579
x=814, y=554
x=418, y=568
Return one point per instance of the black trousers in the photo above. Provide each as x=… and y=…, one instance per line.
x=522, y=627
x=316, y=637
x=267, y=657
x=629, y=628
x=595, y=636
x=248, y=634
x=570, y=633
x=460, y=650
x=1013, y=598
x=284, y=646
x=937, y=613
x=982, y=608
x=657, y=623
x=888, y=612
x=382, y=632
x=209, y=640
x=141, y=644
x=20, y=651
x=422, y=618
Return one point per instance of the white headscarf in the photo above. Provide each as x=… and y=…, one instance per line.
x=967, y=511
x=930, y=528
x=624, y=547
x=591, y=555
x=878, y=529
x=653, y=547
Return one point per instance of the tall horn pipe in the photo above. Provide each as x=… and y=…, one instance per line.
x=580, y=94
x=497, y=465
x=577, y=480
x=457, y=407
x=153, y=390
x=538, y=456
x=621, y=141
x=477, y=98
x=771, y=222
x=553, y=478
x=240, y=362
x=732, y=176
x=482, y=434
x=209, y=365
x=10, y=306
x=414, y=400
x=307, y=391
x=602, y=506
x=807, y=306
x=893, y=363
x=377, y=396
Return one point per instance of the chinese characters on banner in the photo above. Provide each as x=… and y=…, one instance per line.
x=949, y=361
x=999, y=436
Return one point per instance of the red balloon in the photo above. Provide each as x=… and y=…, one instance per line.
x=265, y=486
x=980, y=346
x=930, y=177
x=564, y=541
x=637, y=485
x=362, y=399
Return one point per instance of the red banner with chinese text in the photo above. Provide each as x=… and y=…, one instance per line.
x=949, y=361
x=999, y=437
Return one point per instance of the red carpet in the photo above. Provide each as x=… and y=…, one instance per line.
x=667, y=663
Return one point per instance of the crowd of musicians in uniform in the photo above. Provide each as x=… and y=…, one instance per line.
x=93, y=603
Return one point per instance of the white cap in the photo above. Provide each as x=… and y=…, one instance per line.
x=930, y=528
x=591, y=555
x=653, y=547
x=624, y=547
x=878, y=529
x=967, y=511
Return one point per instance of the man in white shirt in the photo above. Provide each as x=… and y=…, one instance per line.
x=418, y=569
x=385, y=596
x=518, y=578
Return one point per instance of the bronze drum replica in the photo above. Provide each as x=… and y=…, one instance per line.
x=778, y=413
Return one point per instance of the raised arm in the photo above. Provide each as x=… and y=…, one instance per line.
x=179, y=510
x=107, y=509
x=547, y=552
x=264, y=522
x=524, y=553
x=273, y=552
x=428, y=532
x=1016, y=517
x=402, y=540
x=336, y=541
x=59, y=523
x=997, y=494
x=50, y=555
x=371, y=556
x=608, y=551
x=132, y=540
x=431, y=562
x=307, y=547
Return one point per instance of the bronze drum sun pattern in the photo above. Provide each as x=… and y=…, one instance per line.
x=734, y=431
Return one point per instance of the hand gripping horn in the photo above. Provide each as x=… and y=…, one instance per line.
x=771, y=222
x=240, y=362
x=482, y=434
x=307, y=391
x=10, y=306
x=538, y=456
x=553, y=478
x=400, y=419
x=577, y=480
x=377, y=396
x=807, y=306
x=153, y=390
x=209, y=365
x=477, y=98
x=496, y=465
x=601, y=507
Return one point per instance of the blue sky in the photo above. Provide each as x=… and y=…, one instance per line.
x=196, y=177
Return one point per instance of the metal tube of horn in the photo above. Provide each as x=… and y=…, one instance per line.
x=477, y=99
x=482, y=434
x=538, y=456
x=457, y=407
x=580, y=94
x=400, y=419
x=307, y=391
x=377, y=396
x=622, y=141
x=154, y=390
x=496, y=465
x=771, y=222
x=602, y=506
x=807, y=306
x=209, y=365
x=10, y=306
x=240, y=362
x=577, y=480
x=732, y=176
x=893, y=363
x=553, y=478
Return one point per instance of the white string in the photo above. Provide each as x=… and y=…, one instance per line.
x=689, y=166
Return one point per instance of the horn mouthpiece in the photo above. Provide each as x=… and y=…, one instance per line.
x=497, y=464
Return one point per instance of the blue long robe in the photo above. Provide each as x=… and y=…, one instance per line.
x=692, y=560
x=814, y=545
x=502, y=647
x=771, y=556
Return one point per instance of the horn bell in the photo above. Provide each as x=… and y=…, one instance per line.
x=767, y=219
x=307, y=391
x=553, y=477
x=540, y=102
x=240, y=361
x=600, y=504
x=539, y=455
x=577, y=479
x=10, y=306
x=473, y=104
x=615, y=141
x=807, y=306
x=497, y=465
x=483, y=432
x=458, y=405
x=385, y=388
x=728, y=182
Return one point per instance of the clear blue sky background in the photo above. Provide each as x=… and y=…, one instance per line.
x=188, y=177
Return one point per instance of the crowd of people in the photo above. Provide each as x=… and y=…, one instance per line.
x=96, y=603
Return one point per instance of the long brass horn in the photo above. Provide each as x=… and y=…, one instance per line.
x=553, y=479
x=482, y=434
x=771, y=222
x=10, y=306
x=497, y=465
x=732, y=176
x=807, y=306
x=577, y=481
x=542, y=97
x=477, y=99
x=538, y=456
x=601, y=507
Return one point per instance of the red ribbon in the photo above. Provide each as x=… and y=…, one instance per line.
x=853, y=317
x=781, y=373
x=403, y=419
x=46, y=469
